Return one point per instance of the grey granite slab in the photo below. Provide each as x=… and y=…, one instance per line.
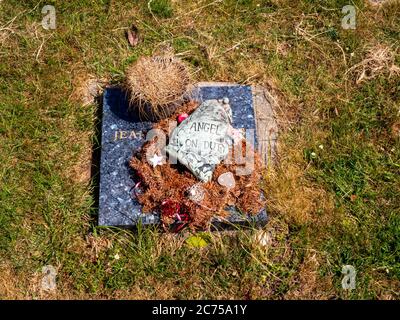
x=123, y=133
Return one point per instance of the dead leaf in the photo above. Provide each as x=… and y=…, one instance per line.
x=200, y=240
x=133, y=36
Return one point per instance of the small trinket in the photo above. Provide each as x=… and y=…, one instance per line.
x=156, y=160
x=227, y=180
x=172, y=210
x=196, y=193
x=182, y=117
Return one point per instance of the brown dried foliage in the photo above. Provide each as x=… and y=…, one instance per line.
x=171, y=182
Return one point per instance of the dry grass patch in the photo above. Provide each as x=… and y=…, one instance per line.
x=379, y=3
x=9, y=288
x=307, y=283
x=86, y=88
x=385, y=289
x=28, y=285
x=396, y=130
x=96, y=245
x=379, y=60
x=162, y=290
x=80, y=171
x=292, y=195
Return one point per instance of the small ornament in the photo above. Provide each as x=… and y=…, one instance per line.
x=227, y=180
x=156, y=160
x=174, y=217
x=137, y=190
x=182, y=117
x=170, y=208
x=196, y=193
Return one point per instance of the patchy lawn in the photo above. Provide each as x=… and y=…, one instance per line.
x=333, y=197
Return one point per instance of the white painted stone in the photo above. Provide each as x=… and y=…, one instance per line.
x=227, y=180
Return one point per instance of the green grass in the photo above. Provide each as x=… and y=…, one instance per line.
x=161, y=8
x=349, y=188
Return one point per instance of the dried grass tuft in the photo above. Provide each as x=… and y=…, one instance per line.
x=157, y=85
x=379, y=60
x=380, y=2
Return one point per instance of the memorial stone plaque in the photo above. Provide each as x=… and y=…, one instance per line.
x=202, y=140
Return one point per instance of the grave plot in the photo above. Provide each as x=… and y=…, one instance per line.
x=132, y=164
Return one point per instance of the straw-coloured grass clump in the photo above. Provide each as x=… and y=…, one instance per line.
x=379, y=60
x=157, y=85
